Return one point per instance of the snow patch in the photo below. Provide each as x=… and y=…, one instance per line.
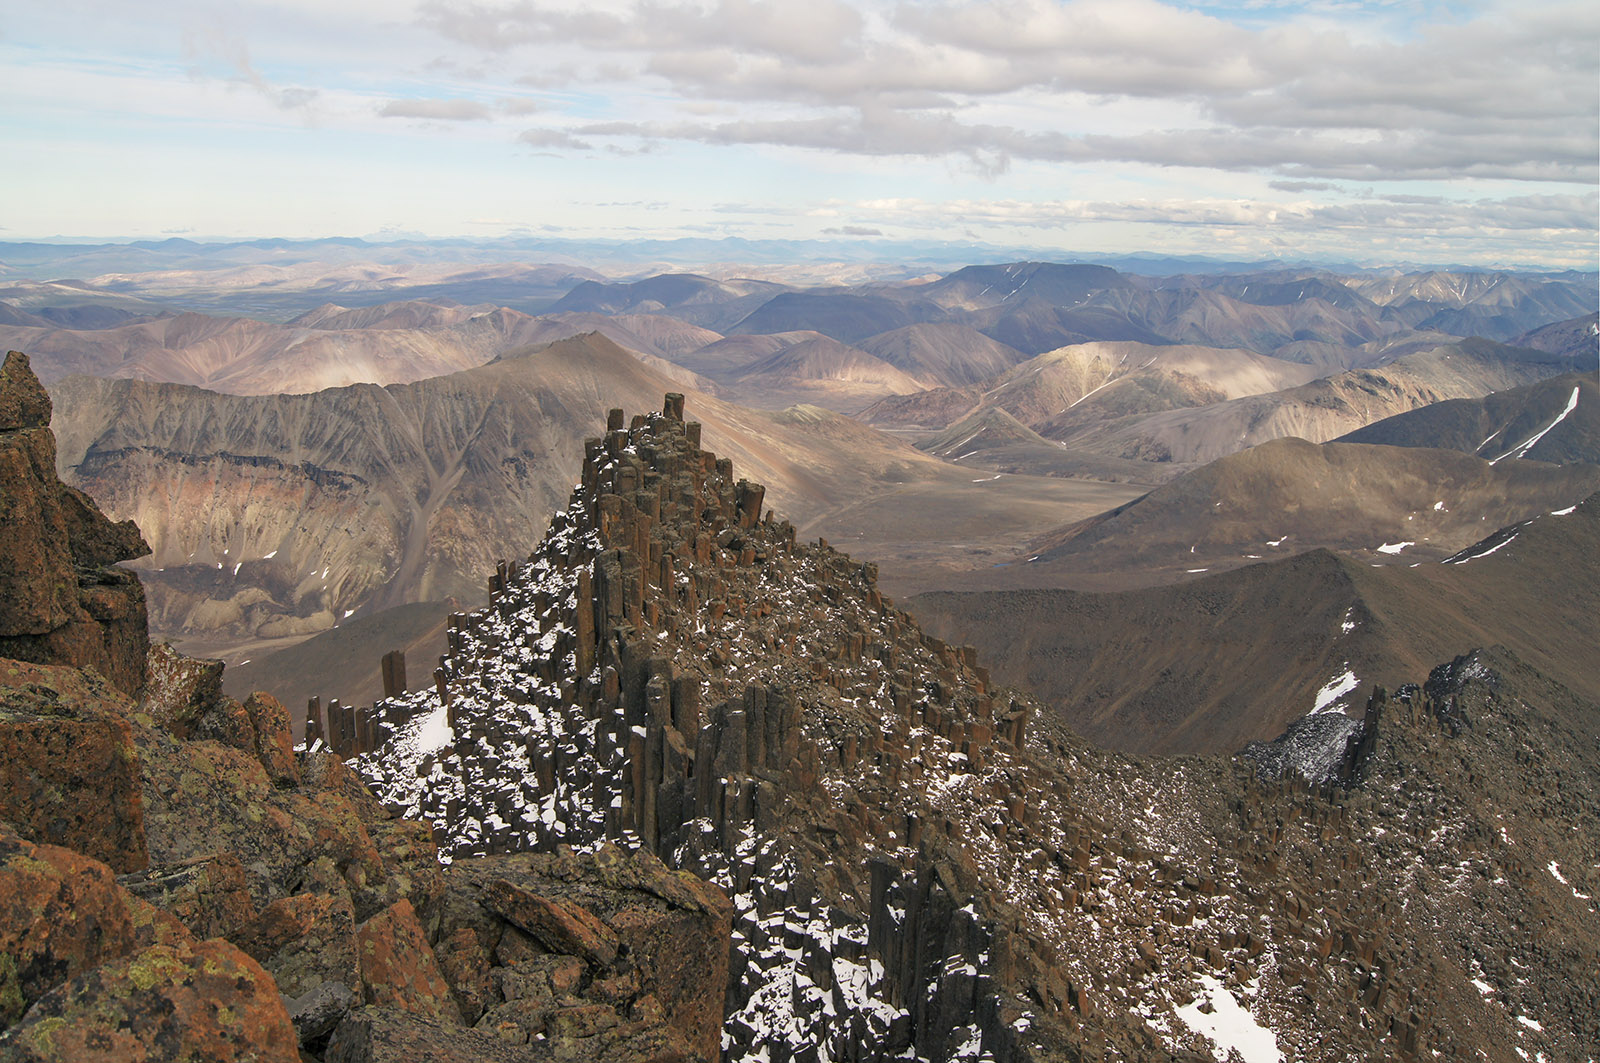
x=1228, y=1026
x=1564, y=512
x=1395, y=548
x=436, y=732
x=1519, y=451
x=1336, y=688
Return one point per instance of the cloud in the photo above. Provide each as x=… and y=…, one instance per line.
x=450, y=110
x=206, y=48
x=1501, y=94
x=853, y=230
x=551, y=138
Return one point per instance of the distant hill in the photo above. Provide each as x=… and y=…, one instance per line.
x=275, y=517
x=1556, y=420
x=1321, y=409
x=942, y=354
x=1291, y=495
x=818, y=370
x=699, y=300
x=845, y=317
x=330, y=346
x=1206, y=666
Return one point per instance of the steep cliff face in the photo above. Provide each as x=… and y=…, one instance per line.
x=61, y=602
x=923, y=867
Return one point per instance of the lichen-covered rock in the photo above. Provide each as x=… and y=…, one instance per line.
x=411, y=868
x=304, y=940
x=179, y=688
x=210, y=894
x=190, y=1001
x=308, y=944
x=326, y=771
x=69, y=769
x=203, y=798
x=272, y=737
x=398, y=968
x=61, y=913
x=609, y=954
x=561, y=925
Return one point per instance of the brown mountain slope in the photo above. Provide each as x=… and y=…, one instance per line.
x=278, y=516
x=1290, y=495
x=1059, y=391
x=1208, y=665
x=328, y=347
x=942, y=354
x=1323, y=409
x=818, y=370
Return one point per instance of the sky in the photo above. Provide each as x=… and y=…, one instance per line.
x=1366, y=131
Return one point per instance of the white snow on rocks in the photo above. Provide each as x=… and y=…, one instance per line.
x=1218, y=1016
x=1335, y=689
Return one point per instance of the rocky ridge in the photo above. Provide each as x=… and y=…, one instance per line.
x=924, y=867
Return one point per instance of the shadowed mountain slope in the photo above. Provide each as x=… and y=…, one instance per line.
x=1555, y=420
x=1209, y=665
x=1290, y=495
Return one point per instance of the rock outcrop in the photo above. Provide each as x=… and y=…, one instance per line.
x=60, y=601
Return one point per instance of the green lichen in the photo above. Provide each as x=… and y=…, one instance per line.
x=43, y=1035
x=11, y=1003
x=152, y=967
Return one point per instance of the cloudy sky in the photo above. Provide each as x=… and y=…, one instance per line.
x=1372, y=131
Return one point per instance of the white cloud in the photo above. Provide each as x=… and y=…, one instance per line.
x=455, y=110
x=1503, y=95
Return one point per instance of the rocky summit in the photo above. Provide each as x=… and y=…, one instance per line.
x=923, y=867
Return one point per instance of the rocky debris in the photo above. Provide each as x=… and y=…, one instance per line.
x=398, y=967
x=1315, y=748
x=60, y=602
x=923, y=867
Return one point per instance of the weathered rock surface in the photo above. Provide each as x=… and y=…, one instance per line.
x=59, y=602
x=69, y=769
x=61, y=913
x=202, y=1000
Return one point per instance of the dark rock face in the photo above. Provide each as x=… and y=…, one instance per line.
x=59, y=602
